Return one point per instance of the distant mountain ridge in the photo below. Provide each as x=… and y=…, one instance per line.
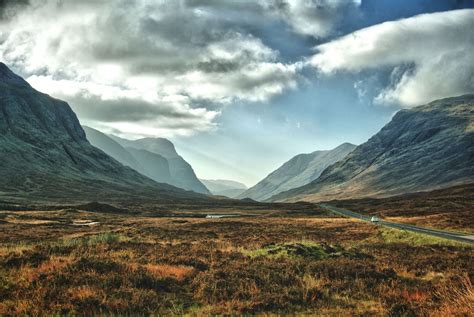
x=224, y=187
x=153, y=157
x=298, y=171
x=45, y=156
x=112, y=148
x=424, y=148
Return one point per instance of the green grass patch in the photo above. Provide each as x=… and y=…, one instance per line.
x=305, y=249
x=101, y=238
x=414, y=238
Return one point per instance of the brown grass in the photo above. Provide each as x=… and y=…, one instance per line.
x=136, y=265
x=178, y=272
x=458, y=298
x=450, y=208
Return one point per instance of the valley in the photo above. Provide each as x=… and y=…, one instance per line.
x=192, y=163
x=285, y=258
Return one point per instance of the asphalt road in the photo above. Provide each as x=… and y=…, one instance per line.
x=463, y=237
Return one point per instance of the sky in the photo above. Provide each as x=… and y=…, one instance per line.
x=241, y=86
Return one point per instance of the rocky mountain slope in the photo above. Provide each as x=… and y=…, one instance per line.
x=423, y=148
x=45, y=156
x=181, y=172
x=299, y=171
x=224, y=187
x=154, y=166
x=147, y=163
x=112, y=148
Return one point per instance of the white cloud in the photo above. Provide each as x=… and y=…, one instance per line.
x=312, y=17
x=167, y=54
x=437, y=48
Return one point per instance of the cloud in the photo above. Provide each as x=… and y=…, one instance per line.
x=431, y=56
x=317, y=18
x=141, y=114
x=144, y=58
x=8, y=8
x=120, y=61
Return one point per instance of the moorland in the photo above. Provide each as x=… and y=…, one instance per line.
x=271, y=258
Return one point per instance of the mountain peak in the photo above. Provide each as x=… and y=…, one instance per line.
x=160, y=145
x=7, y=76
x=452, y=104
x=345, y=145
x=181, y=173
x=423, y=148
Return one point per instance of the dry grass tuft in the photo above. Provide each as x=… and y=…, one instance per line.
x=457, y=298
x=179, y=272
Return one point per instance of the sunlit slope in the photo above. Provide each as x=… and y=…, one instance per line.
x=423, y=148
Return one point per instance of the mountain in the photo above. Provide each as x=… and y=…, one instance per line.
x=424, y=148
x=147, y=163
x=153, y=165
x=299, y=171
x=160, y=146
x=45, y=156
x=112, y=148
x=223, y=187
x=182, y=174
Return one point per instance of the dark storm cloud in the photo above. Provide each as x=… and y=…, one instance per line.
x=8, y=8
x=124, y=109
x=218, y=66
x=175, y=42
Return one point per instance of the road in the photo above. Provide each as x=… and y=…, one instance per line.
x=463, y=237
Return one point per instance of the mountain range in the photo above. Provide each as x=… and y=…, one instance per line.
x=298, y=171
x=45, y=155
x=222, y=187
x=153, y=157
x=424, y=148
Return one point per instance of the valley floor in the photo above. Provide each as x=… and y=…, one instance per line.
x=84, y=263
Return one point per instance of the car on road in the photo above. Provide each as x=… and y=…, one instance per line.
x=375, y=219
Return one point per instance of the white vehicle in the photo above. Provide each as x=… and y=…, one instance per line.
x=374, y=219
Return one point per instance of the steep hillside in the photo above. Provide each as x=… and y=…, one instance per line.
x=147, y=163
x=224, y=187
x=45, y=156
x=423, y=148
x=299, y=171
x=112, y=148
x=182, y=174
x=153, y=165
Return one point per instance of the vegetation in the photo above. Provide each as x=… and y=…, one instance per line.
x=414, y=238
x=449, y=208
x=126, y=264
x=305, y=249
